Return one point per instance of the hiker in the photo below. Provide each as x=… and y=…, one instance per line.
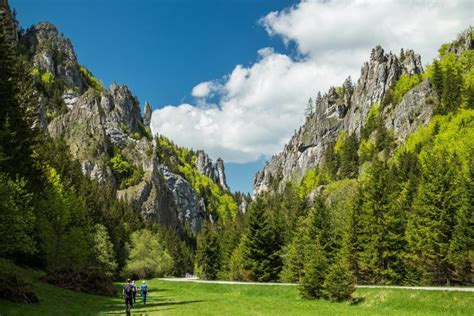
x=128, y=296
x=144, y=291
x=134, y=292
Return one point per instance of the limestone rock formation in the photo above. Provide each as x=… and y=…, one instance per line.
x=214, y=171
x=99, y=124
x=346, y=108
x=147, y=114
x=53, y=53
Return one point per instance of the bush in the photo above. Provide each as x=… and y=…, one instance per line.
x=148, y=256
x=404, y=84
x=92, y=281
x=17, y=218
x=16, y=286
x=47, y=78
x=126, y=174
x=91, y=80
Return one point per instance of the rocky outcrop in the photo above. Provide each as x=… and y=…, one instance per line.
x=463, y=43
x=53, y=53
x=214, y=171
x=220, y=174
x=147, y=114
x=190, y=209
x=98, y=124
x=346, y=108
x=415, y=109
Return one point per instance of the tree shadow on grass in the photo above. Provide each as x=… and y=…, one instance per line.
x=138, y=308
x=357, y=300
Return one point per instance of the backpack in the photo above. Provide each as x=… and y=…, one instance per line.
x=128, y=290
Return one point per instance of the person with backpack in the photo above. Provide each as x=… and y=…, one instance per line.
x=135, y=289
x=128, y=296
x=144, y=291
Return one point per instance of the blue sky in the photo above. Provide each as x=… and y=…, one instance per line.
x=161, y=49
x=233, y=77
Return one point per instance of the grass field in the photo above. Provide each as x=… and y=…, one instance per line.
x=180, y=298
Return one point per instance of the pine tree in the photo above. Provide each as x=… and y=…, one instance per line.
x=452, y=85
x=319, y=250
x=438, y=79
x=315, y=269
x=440, y=204
x=262, y=245
x=208, y=253
x=294, y=256
x=382, y=228
x=339, y=283
x=16, y=134
x=346, y=150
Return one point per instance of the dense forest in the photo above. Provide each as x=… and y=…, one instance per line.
x=373, y=212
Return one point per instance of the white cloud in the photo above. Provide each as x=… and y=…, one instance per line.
x=204, y=89
x=258, y=107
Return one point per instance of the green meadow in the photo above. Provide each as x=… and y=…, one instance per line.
x=186, y=298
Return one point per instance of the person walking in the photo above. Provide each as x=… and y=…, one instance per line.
x=135, y=289
x=127, y=294
x=144, y=291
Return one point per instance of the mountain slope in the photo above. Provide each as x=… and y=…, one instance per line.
x=394, y=85
x=107, y=133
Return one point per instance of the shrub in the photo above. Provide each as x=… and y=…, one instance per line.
x=148, y=256
x=47, y=78
x=91, y=80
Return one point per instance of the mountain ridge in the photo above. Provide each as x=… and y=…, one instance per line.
x=346, y=108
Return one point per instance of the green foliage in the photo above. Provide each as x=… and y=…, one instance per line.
x=452, y=78
x=180, y=160
x=236, y=270
x=339, y=282
x=91, y=80
x=180, y=250
x=404, y=84
x=262, y=245
x=345, y=150
x=315, y=269
x=104, y=250
x=17, y=219
x=35, y=72
x=47, y=78
x=65, y=243
x=127, y=174
x=148, y=256
x=208, y=253
x=440, y=208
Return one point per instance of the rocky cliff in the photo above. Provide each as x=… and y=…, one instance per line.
x=345, y=109
x=107, y=133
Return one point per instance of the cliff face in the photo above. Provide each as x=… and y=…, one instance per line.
x=105, y=131
x=214, y=171
x=346, y=109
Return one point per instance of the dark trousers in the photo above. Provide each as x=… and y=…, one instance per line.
x=128, y=304
x=144, y=297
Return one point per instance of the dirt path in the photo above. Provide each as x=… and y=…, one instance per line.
x=423, y=288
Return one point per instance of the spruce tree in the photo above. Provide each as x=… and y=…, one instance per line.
x=382, y=227
x=315, y=269
x=452, y=86
x=262, y=245
x=339, y=283
x=16, y=135
x=439, y=219
x=208, y=253
x=437, y=79
x=294, y=256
